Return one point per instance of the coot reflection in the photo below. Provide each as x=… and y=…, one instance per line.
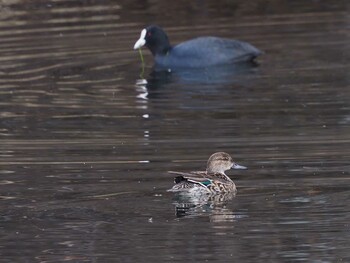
x=213, y=76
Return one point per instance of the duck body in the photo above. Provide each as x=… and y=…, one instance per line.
x=212, y=181
x=196, y=53
x=203, y=183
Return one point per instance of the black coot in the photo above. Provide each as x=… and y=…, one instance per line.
x=195, y=53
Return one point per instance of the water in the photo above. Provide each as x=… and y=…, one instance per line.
x=86, y=143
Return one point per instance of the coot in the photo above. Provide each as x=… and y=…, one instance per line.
x=195, y=53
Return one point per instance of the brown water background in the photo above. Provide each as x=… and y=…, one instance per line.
x=86, y=143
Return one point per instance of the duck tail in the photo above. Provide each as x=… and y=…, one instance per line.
x=179, y=179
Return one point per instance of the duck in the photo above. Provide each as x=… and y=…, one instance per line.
x=199, y=52
x=212, y=181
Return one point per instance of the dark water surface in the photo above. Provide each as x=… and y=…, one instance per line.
x=86, y=144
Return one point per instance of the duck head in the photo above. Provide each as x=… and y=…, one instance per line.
x=220, y=162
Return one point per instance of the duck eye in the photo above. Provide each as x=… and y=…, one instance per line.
x=149, y=34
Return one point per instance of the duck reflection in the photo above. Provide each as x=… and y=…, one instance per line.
x=213, y=205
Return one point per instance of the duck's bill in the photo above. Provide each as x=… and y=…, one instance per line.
x=237, y=166
x=141, y=42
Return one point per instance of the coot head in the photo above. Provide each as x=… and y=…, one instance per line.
x=155, y=39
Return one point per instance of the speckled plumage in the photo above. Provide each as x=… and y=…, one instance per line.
x=213, y=180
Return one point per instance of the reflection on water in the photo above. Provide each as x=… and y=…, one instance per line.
x=85, y=146
x=195, y=205
x=224, y=74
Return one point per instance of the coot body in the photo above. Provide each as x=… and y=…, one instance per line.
x=195, y=53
